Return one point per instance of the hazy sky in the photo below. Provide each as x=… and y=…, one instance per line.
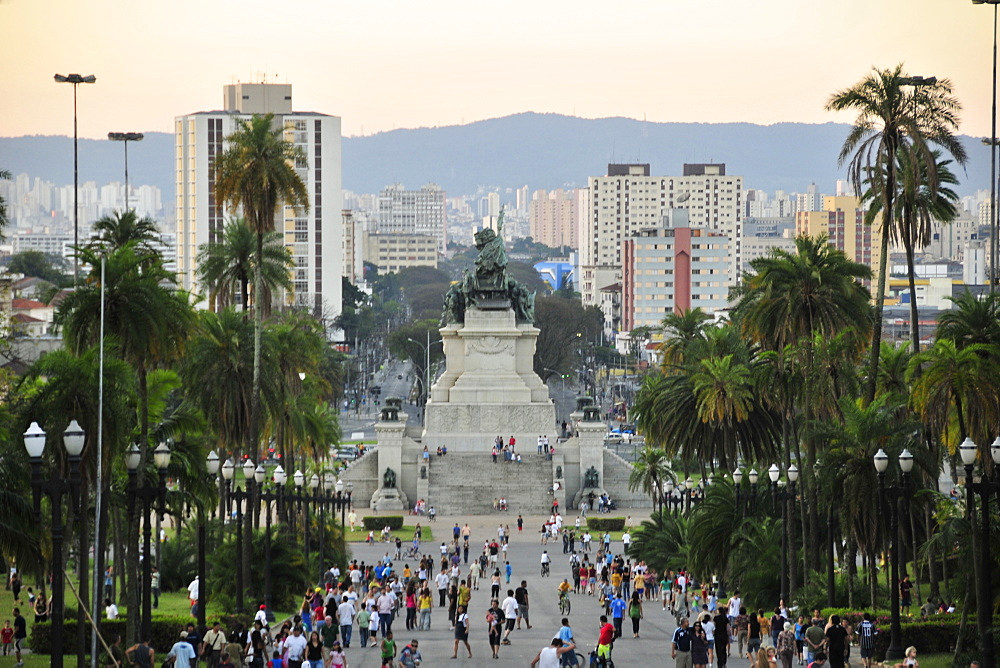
x=384, y=64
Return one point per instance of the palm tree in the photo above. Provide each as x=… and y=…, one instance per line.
x=972, y=320
x=4, y=221
x=791, y=296
x=225, y=267
x=916, y=207
x=124, y=227
x=887, y=117
x=681, y=329
x=650, y=471
x=256, y=173
x=149, y=322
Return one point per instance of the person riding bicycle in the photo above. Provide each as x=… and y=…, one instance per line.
x=563, y=589
x=545, y=561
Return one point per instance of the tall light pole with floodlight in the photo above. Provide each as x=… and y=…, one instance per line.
x=994, y=227
x=76, y=80
x=125, y=137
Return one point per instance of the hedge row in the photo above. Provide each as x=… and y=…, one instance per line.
x=606, y=523
x=165, y=631
x=378, y=522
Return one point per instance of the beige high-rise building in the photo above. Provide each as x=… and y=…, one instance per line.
x=553, y=218
x=314, y=236
x=424, y=211
x=628, y=199
x=842, y=220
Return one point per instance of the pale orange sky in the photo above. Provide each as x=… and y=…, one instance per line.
x=384, y=64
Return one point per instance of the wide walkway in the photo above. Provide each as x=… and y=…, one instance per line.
x=651, y=649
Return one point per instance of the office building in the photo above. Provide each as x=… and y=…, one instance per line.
x=314, y=236
x=424, y=211
x=392, y=253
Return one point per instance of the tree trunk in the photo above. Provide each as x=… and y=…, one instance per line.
x=888, y=193
x=258, y=329
x=959, y=644
x=914, y=317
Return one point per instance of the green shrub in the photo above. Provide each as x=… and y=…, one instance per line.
x=606, y=523
x=379, y=521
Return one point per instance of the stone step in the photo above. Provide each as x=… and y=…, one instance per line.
x=468, y=483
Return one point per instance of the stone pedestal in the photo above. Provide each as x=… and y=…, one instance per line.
x=390, y=458
x=591, y=439
x=489, y=387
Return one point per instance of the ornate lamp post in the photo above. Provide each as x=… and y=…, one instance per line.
x=892, y=493
x=267, y=497
x=986, y=487
x=147, y=492
x=778, y=493
x=55, y=488
x=212, y=467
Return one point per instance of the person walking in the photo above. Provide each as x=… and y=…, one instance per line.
x=509, y=607
x=141, y=654
x=635, y=612
x=388, y=650
x=461, y=631
x=521, y=596
x=786, y=645
x=566, y=635
x=212, y=644
x=494, y=626
x=618, y=607
x=20, y=635
x=345, y=618
x=680, y=645
x=425, y=604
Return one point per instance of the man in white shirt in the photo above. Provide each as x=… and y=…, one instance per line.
x=182, y=652
x=734, y=605
x=193, y=589
x=213, y=643
x=386, y=604
x=442, y=580
x=626, y=540
x=509, y=607
x=345, y=617
x=110, y=609
x=295, y=646
x=549, y=656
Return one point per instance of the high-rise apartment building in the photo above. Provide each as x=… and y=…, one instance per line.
x=628, y=198
x=842, y=220
x=671, y=269
x=553, y=218
x=314, y=236
x=423, y=211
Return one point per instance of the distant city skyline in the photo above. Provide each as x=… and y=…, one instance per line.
x=389, y=64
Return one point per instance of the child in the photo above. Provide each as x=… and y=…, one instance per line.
x=818, y=661
x=508, y=570
x=276, y=661
x=337, y=658
x=911, y=659
x=6, y=637
x=389, y=650
x=363, y=617
x=373, y=626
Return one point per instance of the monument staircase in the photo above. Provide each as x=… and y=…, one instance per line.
x=465, y=483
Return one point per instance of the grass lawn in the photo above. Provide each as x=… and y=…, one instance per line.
x=405, y=533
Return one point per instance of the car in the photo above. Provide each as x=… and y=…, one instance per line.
x=348, y=452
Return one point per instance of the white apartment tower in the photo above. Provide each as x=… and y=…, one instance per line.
x=315, y=237
x=628, y=199
x=424, y=212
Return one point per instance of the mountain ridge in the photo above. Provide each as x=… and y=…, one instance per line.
x=541, y=150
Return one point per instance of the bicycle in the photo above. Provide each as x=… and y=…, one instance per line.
x=411, y=552
x=564, y=603
x=545, y=569
x=600, y=661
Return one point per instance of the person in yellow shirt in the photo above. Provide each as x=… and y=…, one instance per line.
x=616, y=582
x=639, y=584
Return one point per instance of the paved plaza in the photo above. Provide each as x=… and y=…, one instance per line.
x=651, y=649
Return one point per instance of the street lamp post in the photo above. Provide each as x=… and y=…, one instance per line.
x=234, y=494
x=778, y=493
x=125, y=137
x=76, y=80
x=986, y=487
x=147, y=493
x=892, y=493
x=267, y=497
x=55, y=488
x=212, y=467
x=994, y=225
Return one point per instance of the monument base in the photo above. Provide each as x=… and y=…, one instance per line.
x=389, y=498
x=472, y=427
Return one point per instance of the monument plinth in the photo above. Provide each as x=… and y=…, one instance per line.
x=489, y=386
